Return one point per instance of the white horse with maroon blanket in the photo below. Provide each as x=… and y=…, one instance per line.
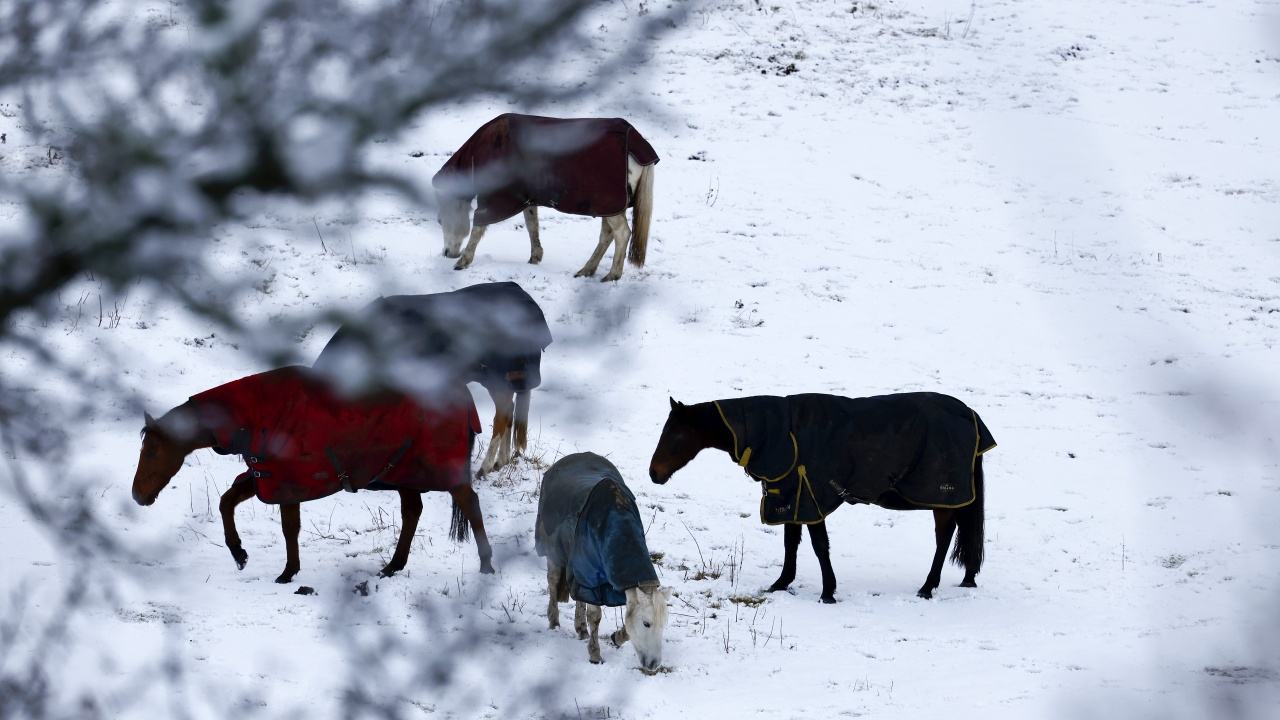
x=515, y=163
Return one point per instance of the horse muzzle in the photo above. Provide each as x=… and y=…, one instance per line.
x=143, y=501
x=657, y=478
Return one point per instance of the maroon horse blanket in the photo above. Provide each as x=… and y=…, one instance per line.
x=576, y=166
x=302, y=441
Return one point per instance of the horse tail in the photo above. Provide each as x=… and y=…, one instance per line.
x=522, y=420
x=459, y=527
x=641, y=212
x=969, y=519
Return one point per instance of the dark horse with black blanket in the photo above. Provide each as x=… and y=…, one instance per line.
x=302, y=441
x=812, y=453
x=491, y=333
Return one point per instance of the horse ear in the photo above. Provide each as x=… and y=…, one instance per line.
x=674, y=404
x=149, y=421
x=666, y=594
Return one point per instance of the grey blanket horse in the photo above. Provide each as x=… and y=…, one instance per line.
x=491, y=333
x=590, y=531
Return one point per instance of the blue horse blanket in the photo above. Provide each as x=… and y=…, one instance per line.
x=588, y=523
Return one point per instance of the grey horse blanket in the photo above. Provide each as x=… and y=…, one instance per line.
x=576, y=166
x=813, y=452
x=491, y=333
x=588, y=523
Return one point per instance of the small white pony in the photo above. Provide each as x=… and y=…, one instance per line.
x=515, y=163
x=591, y=533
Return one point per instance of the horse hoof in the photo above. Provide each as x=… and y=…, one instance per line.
x=584, y=273
x=829, y=599
x=597, y=661
x=486, y=568
x=462, y=264
x=968, y=583
x=779, y=587
x=241, y=557
x=610, y=278
x=925, y=593
x=285, y=578
x=388, y=571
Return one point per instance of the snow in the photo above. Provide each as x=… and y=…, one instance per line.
x=1064, y=214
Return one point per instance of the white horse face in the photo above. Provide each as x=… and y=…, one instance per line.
x=455, y=221
x=645, y=622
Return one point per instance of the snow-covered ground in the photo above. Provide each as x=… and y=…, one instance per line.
x=1065, y=214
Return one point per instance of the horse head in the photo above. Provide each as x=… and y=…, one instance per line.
x=683, y=437
x=165, y=445
x=645, y=621
x=454, y=216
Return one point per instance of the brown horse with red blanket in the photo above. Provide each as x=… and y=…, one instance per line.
x=301, y=441
x=813, y=453
x=515, y=163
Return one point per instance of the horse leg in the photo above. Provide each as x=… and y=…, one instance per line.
x=621, y=234
x=944, y=526
x=531, y=224
x=499, y=453
x=822, y=548
x=593, y=262
x=236, y=494
x=291, y=524
x=790, y=542
x=580, y=619
x=469, y=253
x=467, y=499
x=410, y=513
x=619, y=637
x=553, y=592
x=521, y=440
x=593, y=644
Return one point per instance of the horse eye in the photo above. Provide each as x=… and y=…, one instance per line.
x=151, y=454
x=646, y=624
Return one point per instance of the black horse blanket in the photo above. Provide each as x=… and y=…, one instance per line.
x=302, y=441
x=813, y=452
x=588, y=523
x=577, y=166
x=492, y=333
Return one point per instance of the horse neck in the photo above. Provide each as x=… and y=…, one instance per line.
x=186, y=415
x=711, y=428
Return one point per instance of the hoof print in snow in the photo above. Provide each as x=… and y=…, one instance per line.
x=361, y=589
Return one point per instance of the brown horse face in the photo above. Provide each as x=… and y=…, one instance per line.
x=159, y=460
x=679, y=444
x=455, y=221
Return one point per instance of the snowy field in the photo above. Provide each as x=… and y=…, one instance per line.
x=1065, y=214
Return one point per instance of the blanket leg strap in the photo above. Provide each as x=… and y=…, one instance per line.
x=342, y=472
x=404, y=448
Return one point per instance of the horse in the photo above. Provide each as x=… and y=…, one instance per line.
x=596, y=167
x=812, y=453
x=590, y=531
x=302, y=441
x=490, y=333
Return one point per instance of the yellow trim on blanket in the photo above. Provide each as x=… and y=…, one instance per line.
x=736, y=457
x=973, y=485
x=746, y=458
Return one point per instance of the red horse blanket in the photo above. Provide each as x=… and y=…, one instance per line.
x=302, y=441
x=575, y=166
